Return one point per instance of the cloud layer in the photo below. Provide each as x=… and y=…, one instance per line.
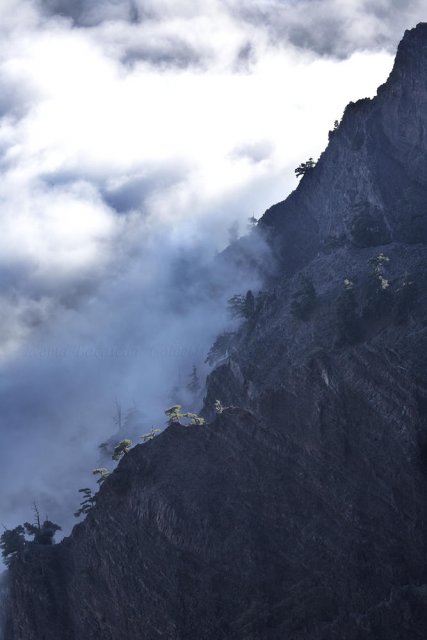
x=326, y=27
x=134, y=137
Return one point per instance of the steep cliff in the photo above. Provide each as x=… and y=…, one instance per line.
x=299, y=512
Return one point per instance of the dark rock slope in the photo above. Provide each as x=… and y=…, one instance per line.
x=300, y=512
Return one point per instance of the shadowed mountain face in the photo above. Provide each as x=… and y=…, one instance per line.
x=370, y=185
x=300, y=511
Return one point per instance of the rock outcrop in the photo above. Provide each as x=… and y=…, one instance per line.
x=300, y=511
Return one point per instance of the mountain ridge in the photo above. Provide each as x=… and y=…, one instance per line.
x=371, y=130
x=299, y=511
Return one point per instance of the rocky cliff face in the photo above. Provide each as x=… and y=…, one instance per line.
x=372, y=176
x=301, y=511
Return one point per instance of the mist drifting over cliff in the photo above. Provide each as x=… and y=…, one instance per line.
x=134, y=136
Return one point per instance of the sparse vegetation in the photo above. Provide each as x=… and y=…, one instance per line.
x=174, y=414
x=378, y=292
x=305, y=167
x=194, y=418
x=103, y=474
x=42, y=533
x=121, y=449
x=13, y=541
x=334, y=129
x=88, y=500
x=242, y=306
x=252, y=222
x=146, y=437
x=380, y=299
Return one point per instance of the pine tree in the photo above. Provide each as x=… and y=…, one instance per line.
x=173, y=414
x=252, y=222
x=121, y=449
x=305, y=167
x=42, y=533
x=194, y=384
x=195, y=419
x=12, y=542
x=242, y=306
x=87, y=502
x=103, y=474
x=150, y=435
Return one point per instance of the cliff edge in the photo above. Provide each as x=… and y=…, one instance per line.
x=300, y=511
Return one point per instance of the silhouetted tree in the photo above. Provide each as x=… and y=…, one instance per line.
x=87, y=502
x=242, y=306
x=194, y=383
x=42, y=533
x=252, y=222
x=12, y=542
x=305, y=167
